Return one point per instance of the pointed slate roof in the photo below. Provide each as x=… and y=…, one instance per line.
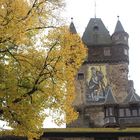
x=119, y=27
x=72, y=28
x=132, y=97
x=96, y=33
x=110, y=99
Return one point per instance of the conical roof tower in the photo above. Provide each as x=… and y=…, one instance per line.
x=72, y=27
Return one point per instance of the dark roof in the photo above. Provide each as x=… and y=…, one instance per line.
x=96, y=33
x=132, y=97
x=110, y=99
x=72, y=28
x=119, y=27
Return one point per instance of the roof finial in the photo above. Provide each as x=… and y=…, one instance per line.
x=71, y=19
x=95, y=8
x=118, y=17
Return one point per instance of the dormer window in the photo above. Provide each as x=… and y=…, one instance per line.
x=96, y=28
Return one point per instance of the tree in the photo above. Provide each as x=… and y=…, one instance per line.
x=37, y=66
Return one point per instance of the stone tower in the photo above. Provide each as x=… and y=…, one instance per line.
x=102, y=83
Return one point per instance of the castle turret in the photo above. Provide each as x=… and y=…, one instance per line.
x=120, y=36
x=120, y=58
x=72, y=28
x=120, y=43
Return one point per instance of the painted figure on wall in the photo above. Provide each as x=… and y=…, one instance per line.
x=96, y=85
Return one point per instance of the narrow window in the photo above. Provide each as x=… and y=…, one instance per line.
x=111, y=111
x=121, y=112
x=134, y=112
x=125, y=51
x=128, y=113
x=107, y=52
x=125, y=38
x=106, y=112
x=80, y=76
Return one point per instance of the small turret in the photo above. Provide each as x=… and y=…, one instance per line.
x=72, y=27
x=120, y=36
x=120, y=43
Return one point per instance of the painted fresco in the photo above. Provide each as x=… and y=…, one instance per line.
x=96, y=83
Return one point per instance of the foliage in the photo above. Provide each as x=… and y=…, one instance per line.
x=37, y=67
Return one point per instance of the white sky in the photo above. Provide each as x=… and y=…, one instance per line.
x=108, y=10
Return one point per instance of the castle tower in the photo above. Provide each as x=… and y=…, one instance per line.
x=102, y=84
x=109, y=54
x=119, y=69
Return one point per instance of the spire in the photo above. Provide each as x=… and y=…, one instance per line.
x=119, y=27
x=72, y=27
x=95, y=8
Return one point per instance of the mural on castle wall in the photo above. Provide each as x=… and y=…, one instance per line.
x=96, y=83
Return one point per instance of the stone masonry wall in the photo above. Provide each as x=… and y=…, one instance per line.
x=96, y=116
x=80, y=88
x=118, y=78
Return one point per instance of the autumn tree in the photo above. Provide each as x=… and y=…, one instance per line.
x=39, y=60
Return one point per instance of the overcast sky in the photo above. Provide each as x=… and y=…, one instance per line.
x=108, y=10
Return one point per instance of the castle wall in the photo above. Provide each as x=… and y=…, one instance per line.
x=91, y=93
x=115, y=75
x=118, y=79
x=80, y=87
x=96, y=116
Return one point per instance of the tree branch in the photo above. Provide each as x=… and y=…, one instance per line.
x=37, y=81
x=29, y=12
x=43, y=27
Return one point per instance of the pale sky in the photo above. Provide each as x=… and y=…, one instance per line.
x=108, y=10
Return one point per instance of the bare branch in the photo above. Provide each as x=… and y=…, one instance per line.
x=29, y=12
x=43, y=27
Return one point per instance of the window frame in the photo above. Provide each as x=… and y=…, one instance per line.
x=107, y=51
